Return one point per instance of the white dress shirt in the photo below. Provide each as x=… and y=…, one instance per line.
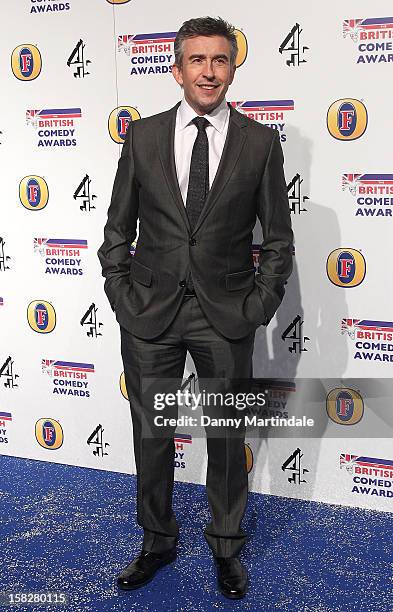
x=185, y=135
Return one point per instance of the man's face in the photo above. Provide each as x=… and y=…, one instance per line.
x=205, y=73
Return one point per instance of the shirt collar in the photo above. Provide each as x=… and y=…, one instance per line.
x=217, y=117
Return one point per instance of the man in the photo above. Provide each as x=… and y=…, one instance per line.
x=196, y=177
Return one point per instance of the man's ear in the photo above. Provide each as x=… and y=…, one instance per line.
x=177, y=74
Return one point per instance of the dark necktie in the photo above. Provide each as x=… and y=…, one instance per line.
x=198, y=183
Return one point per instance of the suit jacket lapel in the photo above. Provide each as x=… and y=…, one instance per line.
x=234, y=142
x=166, y=147
x=236, y=137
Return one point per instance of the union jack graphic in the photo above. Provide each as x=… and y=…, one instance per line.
x=40, y=244
x=31, y=117
x=350, y=181
x=352, y=27
x=47, y=366
x=347, y=461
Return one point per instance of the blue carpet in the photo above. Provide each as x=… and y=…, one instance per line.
x=72, y=529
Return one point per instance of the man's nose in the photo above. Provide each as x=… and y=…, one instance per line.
x=208, y=71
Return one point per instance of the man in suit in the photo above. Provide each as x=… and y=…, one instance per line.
x=196, y=176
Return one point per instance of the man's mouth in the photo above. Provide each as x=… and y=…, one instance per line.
x=207, y=86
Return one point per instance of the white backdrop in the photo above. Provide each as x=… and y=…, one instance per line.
x=338, y=326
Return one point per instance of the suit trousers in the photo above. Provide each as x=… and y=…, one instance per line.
x=162, y=359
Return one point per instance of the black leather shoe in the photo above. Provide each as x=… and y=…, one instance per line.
x=231, y=577
x=143, y=569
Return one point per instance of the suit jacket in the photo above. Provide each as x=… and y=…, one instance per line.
x=146, y=290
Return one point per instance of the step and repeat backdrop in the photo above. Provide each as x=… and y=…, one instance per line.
x=73, y=75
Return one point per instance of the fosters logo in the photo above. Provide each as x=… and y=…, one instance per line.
x=47, y=122
x=346, y=267
x=68, y=377
x=33, y=192
x=344, y=406
x=26, y=62
x=49, y=433
x=373, y=339
x=373, y=193
x=373, y=38
x=61, y=255
x=41, y=316
x=272, y=113
x=370, y=476
x=118, y=122
x=347, y=119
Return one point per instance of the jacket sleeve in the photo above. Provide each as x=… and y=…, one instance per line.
x=120, y=228
x=275, y=255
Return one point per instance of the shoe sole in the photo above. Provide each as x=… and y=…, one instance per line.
x=142, y=584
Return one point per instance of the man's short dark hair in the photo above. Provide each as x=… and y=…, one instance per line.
x=205, y=26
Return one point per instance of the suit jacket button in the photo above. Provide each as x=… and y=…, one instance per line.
x=192, y=241
x=182, y=283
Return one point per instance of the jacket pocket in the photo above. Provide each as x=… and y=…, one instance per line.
x=239, y=280
x=142, y=274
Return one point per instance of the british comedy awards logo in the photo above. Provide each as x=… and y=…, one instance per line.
x=148, y=53
x=346, y=267
x=33, y=192
x=272, y=113
x=68, y=377
x=26, y=62
x=373, y=339
x=41, y=316
x=373, y=38
x=347, y=119
x=56, y=127
x=61, y=256
x=369, y=475
x=344, y=406
x=373, y=193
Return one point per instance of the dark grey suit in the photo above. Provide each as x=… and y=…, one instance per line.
x=146, y=291
x=217, y=326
